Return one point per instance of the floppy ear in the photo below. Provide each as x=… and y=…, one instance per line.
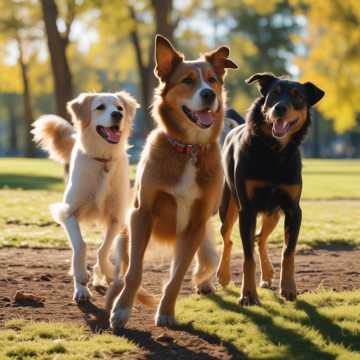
x=313, y=93
x=166, y=57
x=264, y=81
x=129, y=102
x=218, y=58
x=80, y=109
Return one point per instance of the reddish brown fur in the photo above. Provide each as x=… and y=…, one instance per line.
x=160, y=170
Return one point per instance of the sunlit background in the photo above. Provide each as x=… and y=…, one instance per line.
x=50, y=50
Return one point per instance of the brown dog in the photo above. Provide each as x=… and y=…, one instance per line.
x=179, y=179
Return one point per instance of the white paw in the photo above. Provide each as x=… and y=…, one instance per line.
x=81, y=293
x=206, y=288
x=265, y=284
x=118, y=318
x=165, y=320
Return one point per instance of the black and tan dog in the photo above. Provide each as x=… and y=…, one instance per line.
x=263, y=175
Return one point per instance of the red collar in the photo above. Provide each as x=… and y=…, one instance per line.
x=192, y=150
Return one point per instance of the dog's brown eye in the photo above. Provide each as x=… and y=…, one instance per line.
x=120, y=108
x=188, y=81
x=212, y=80
x=100, y=107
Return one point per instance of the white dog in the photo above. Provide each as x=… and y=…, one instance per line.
x=98, y=184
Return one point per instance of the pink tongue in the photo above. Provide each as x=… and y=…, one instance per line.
x=112, y=134
x=205, y=117
x=280, y=128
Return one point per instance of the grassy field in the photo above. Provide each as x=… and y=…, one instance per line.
x=29, y=340
x=330, y=204
x=321, y=325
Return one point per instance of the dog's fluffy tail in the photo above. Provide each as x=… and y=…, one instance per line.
x=54, y=135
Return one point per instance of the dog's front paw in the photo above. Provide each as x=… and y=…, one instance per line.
x=265, y=284
x=288, y=291
x=165, y=320
x=249, y=299
x=223, y=276
x=206, y=288
x=81, y=294
x=119, y=318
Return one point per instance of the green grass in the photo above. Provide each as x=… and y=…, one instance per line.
x=27, y=192
x=20, y=339
x=331, y=179
x=321, y=325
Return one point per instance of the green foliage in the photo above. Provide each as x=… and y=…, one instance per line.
x=320, y=325
x=20, y=339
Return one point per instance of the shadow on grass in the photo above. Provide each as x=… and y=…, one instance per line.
x=297, y=346
x=330, y=331
x=333, y=245
x=170, y=349
x=29, y=182
x=96, y=318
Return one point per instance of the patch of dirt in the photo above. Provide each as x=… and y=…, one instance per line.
x=45, y=272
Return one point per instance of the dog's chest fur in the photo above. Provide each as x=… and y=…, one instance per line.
x=185, y=192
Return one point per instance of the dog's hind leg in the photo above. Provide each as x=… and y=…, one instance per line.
x=228, y=215
x=81, y=277
x=186, y=247
x=206, y=260
x=269, y=222
x=104, y=269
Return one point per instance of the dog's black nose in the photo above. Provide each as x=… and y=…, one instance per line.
x=280, y=109
x=116, y=116
x=208, y=96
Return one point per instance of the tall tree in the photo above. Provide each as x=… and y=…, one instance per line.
x=332, y=59
x=17, y=24
x=57, y=44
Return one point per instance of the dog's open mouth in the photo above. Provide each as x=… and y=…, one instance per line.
x=204, y=118
x=281, y=128
x=110, y=134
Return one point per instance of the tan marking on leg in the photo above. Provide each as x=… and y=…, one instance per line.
x=269, y=223
x=294, y=191
x=287, y=276
x=224, y=272
x=252, y=185
x=248, y=289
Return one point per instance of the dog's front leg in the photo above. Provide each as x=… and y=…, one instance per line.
x=104, y=269
x=81, y=277
x=293, y=216
x=247, y=223
x=140, y=231
x=186, y=247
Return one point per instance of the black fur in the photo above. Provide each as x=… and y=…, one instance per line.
x=249, y=153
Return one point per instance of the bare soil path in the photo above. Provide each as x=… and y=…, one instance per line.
x=44, y=272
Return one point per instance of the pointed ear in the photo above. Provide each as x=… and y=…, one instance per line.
x=263, y=80
x=80, y=109
x=313, y=93
x=218, y=58
x=129, y=102
x=166, y=57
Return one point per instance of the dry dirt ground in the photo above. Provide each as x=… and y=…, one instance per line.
x=44, y=272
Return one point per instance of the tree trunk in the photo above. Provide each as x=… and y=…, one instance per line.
x=57, y=48
x=13, y=143
x=28, y=113
x=164, y=26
